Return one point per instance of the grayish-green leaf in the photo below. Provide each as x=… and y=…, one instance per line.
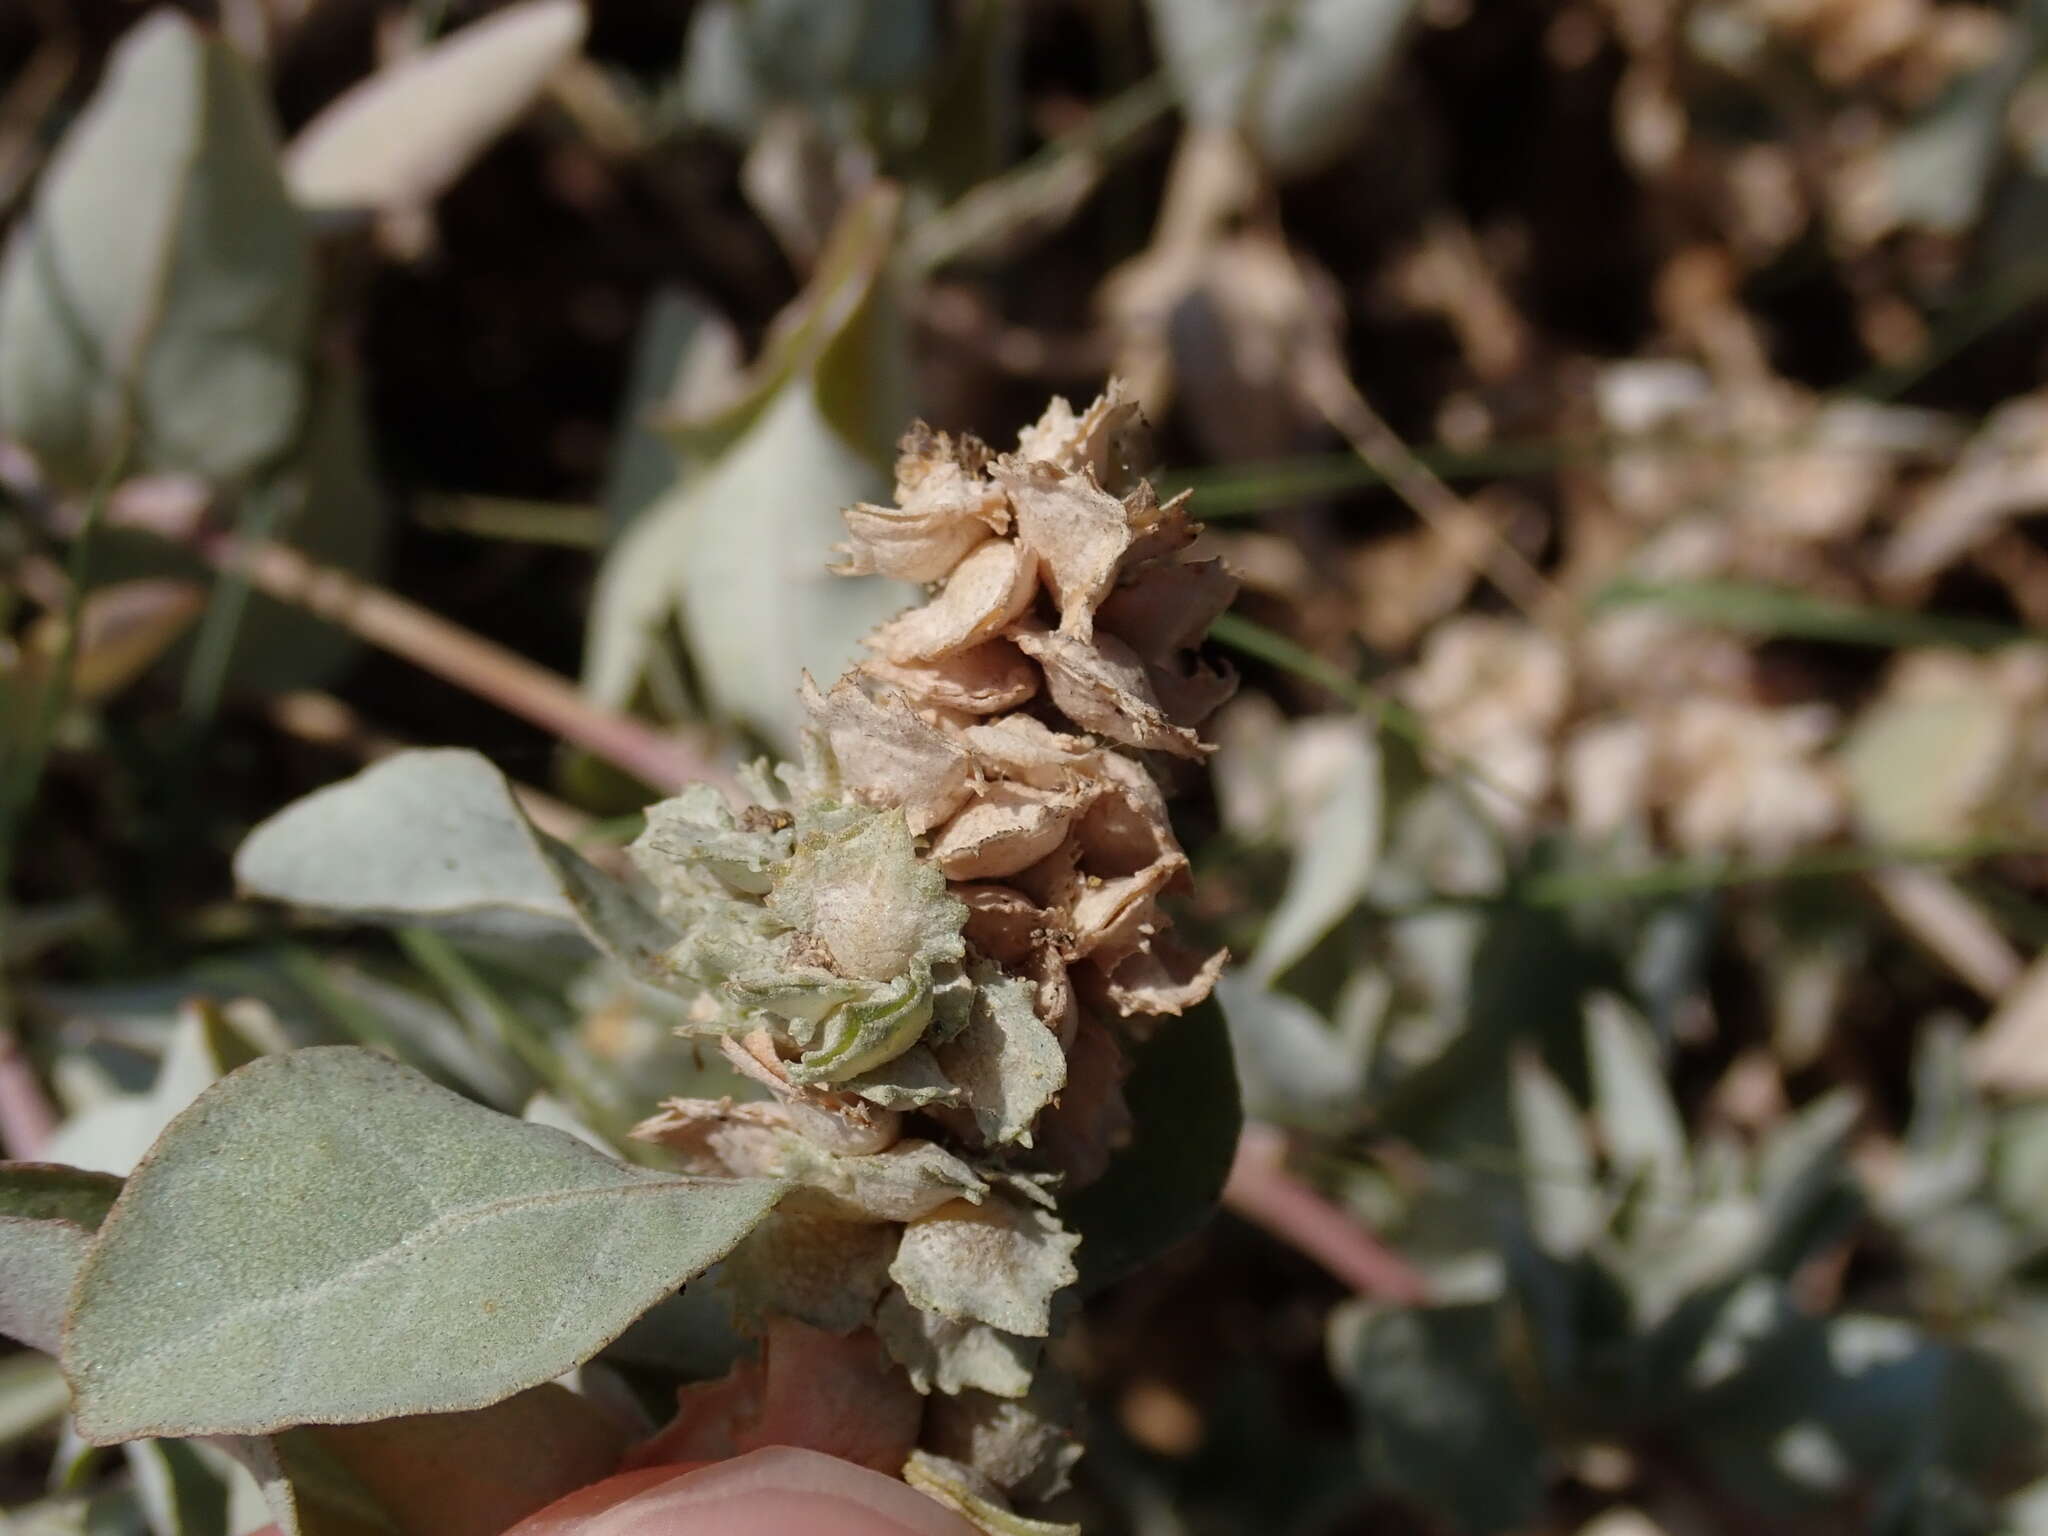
x=1292, y=1066
x=33, y=1395
x=1009, y=1064
x=181, y=1495
x=56, y=1192
x=38, y=1262
x=328, y=1237
x=742, y=59
x=163, y=280
x=439, y=835
x=48, y=1213
x=113, y=1511
x=1335, y=832
x=1296, y=77
x=954, y=1355
x=400, y=138
x=738, y=550
x=1558, y=1184
x=1640, y=1123
x=111, y=1137
x=322, y=499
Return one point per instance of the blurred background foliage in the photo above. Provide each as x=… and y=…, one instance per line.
x=1627, y=419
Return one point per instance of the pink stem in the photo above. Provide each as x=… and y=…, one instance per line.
x=481, y=666
x=1264, y=1193
x=27, y=1119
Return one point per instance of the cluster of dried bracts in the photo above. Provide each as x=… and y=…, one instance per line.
x=933, y=943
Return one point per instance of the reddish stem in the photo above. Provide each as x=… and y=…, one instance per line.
x=481, y=666
x=1264, y=1193
x=27, y=1120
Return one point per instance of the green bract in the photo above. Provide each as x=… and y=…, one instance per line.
x=821, y=926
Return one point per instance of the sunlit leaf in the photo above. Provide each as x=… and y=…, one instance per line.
x=48, y=1214
x=401, y=137
x=1297, y=77
x=1638, y=1119
x=111, y=1136
x=1292, y=1066
x=438, y=835
x=327, y=1237
x=1335, y=831
x=162, y=281
x=1559, y=1186
x=738, y=551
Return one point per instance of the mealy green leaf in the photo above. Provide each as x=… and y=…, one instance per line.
x=162, y=281
x=323, y=500
x=48, y=1213
x=328, y=1237
x=1164, y=1186
x=38, y=1262
x=56, y=1192
x=1292, y=1066
x=400, y=138
x=113, y=1511
x=1559, y=1186
x=110, y=1137
x=739, y=549
x=1335, y=834
x=33, y=1395
x=439, y=835
x=1638, y=1119
x=1297, y=77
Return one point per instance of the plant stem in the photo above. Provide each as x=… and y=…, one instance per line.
x=1264, y=1193
x=484, y=668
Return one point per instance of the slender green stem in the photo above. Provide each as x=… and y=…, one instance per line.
x=1563, y=888
x=206, y=673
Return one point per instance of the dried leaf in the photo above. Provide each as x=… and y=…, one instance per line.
x=949, y=1355
x=963, y=1489
x=1024, y=1448
x=883, y=754
x=1077, y=530
x=984, y=680
x=987, y=591
x=998, y=1263
x=1004, y=829
x=823, y=1270
x=1102, y=686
